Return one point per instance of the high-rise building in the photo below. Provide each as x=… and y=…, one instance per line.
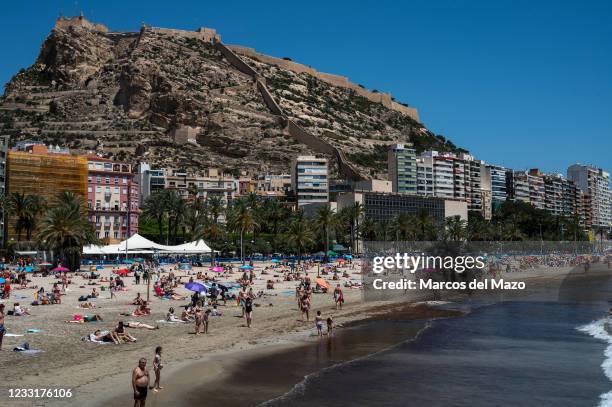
x=43, y=172
x=213, y=183
x=402, y=165
x=112, y=199
x=149, y=181
x=517, y=186
x=595, y=183
x=497, y=176
x=309, y=180
x=537, y=191
x=4, y=145
x=455, y=176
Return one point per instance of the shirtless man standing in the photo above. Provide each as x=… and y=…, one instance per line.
x=140, y=383
x=2, y=328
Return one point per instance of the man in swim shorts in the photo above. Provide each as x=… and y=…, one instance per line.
x=140, y=383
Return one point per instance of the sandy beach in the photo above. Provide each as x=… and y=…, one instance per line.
x=99, y=374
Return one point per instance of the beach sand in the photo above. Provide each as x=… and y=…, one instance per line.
x=101, y=374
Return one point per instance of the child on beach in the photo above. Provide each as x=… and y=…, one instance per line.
x=248, y=310
x=319, y=323
x=157, y=367
x=199, y=319
x=330, y=325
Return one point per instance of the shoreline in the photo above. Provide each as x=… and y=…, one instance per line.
x=215, y=357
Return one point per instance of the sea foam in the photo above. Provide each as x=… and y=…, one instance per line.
x=597, y=329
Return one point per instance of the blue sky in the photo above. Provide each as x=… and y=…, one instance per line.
x=518, y=83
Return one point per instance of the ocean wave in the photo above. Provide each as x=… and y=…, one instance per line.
x=597, y=329
x=300, y=388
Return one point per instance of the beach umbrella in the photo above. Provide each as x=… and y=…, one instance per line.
x=340, y=260
x=2, y=280
x=185, y=266
x=275, y=260
x=60, y=269
x=245, y=267
x=319, y=281
x=197, y=287
x=45, y=264
x=217, y=269
x=348, y=256
x=331, y=253
x=122, y=272
x=99, y=267
x=29, y=269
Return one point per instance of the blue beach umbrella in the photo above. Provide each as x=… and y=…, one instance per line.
x=29, y=269
x=2, y=280
x=275, y=260
x=99, y=267
x=197, y=287
x=245, y=267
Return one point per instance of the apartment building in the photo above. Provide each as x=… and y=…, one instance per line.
x=402, y=166
x=213, y=183
x=309, y=180
x=497, y=177
x=37, y=170
x=149, y=181
x=4, y=146
x=594, y=182
x=112, y=199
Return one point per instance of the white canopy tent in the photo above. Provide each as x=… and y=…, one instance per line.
x=137, y=244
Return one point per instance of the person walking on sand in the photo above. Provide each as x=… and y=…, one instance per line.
x=338, y=296
x=305, y=307
x=157, y=367
x=248, y=310
x=199, y=319
x=140, y=383
x=2, y=328
x=319, y=323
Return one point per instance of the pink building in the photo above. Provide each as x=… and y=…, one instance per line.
x=112, y=198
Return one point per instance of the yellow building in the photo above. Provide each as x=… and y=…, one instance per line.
x=36, y=171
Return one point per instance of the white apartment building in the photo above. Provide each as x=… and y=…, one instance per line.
x=309, y=180
x=595, y=183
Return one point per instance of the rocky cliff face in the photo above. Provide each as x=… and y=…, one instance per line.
x=122, y=93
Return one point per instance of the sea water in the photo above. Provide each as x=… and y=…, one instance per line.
x=514, y=353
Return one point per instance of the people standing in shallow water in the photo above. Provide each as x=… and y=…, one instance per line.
x=140, y=383
x=319, y=323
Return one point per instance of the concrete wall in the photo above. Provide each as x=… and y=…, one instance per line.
x=335, y=80
x=235, y=60
x=455, y=208
x=269, y=99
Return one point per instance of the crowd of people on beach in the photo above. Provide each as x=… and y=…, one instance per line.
x=164, y=282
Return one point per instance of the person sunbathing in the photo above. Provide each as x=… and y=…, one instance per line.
x=142, y=309
x=121, y=334
x=139, y=325
x=170, y=317
x=186, y=315
x=138, y=300
x=87, y=305
x=103, y=336
x=80, y=319
x=19, y=310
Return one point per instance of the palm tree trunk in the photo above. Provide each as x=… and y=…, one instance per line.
x=241, y=247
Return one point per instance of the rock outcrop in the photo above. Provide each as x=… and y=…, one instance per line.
x=122, y=93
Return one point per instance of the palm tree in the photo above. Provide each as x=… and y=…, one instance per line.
x=176, y=212
x=368, y=229
x=325, y=219
x=455, y=228
x=300, y=235
x=65, y=229
x=242, y=220
x=356, y=213
x=26, y=209
x=155, y=209
x=425, y=225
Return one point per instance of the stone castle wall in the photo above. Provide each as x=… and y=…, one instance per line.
x=79, y=21
x=335, y=80
x=202, y=33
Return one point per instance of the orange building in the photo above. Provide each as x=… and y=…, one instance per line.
x=37, y=171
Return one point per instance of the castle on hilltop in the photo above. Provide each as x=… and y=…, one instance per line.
x=79, y=21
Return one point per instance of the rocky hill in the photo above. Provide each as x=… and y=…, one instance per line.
x=123, y=94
